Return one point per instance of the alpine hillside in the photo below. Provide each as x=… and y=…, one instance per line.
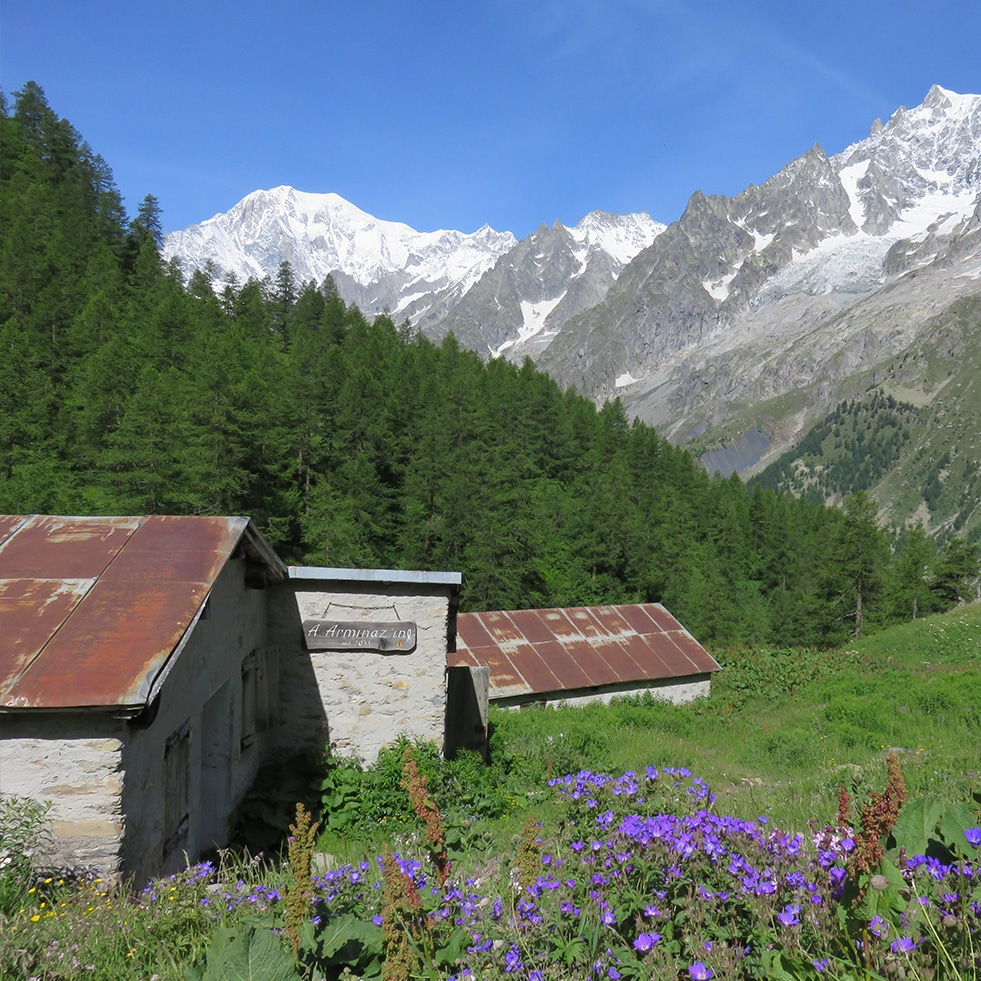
x=831, y=267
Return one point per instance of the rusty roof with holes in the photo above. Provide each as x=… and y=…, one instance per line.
x=91, y=609
x=547, y=651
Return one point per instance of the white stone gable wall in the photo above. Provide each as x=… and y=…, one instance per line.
x=362, y=700
x=203, y=691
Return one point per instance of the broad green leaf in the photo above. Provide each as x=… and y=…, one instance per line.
x=773, y=964
x=343, y=939
x=246, y=954
x=455, y=947
x=956, y=819
x=887, y=902
x=917, y=823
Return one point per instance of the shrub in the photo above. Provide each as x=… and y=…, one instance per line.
x=23, y=835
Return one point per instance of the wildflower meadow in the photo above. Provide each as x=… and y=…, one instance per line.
x=640, y=878
x=840, y=858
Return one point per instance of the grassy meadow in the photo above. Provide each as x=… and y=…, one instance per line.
x=635, y=840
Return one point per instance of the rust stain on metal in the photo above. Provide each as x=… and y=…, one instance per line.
x=8, y=524
x=31, y=612
x=92, y=608
x=533, y=652
x=46, y=547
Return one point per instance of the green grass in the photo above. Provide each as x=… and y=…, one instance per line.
x=784, y=730
x=781, y=734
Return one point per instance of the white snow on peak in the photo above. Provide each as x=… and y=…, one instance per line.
x=923, y=164
x=850, y=176
x=324, y=233
x=620, y=236
x=936, y=211
x=625, y=379
x=934, y=147
x=534, y=315
x=719, y=289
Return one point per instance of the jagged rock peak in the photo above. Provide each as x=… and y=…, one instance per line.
x=938, y=97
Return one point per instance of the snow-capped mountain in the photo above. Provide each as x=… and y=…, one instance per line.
x=380, y=265
x=438, y=281
x=823, y=271
x=521, y=303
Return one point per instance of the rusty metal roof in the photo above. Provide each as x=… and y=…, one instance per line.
x=542, y=651
x=91, y=609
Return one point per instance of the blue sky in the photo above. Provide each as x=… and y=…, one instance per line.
x=455, y=114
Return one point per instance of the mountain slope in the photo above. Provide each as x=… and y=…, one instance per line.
x=736, y=328
x=526, y=298
x=722, y=297
x=907, y=431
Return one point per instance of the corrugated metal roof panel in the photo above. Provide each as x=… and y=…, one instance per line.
x=564, y=666
x=111, y=647
x=533, y=668
x=8, y=525
x=92, y=608
x=506, y=678
x=581, y=647
x=176, y=549
x=31, y=612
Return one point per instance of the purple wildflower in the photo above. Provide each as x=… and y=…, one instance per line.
x=902, y=944
x=973, y=836
x=646, y=941
x=700, y=972
x=789, y=915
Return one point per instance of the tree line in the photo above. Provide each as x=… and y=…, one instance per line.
x=129, y=389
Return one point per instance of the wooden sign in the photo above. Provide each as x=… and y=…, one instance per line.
x=398, y=637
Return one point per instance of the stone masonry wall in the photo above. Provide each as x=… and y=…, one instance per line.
x=72, y=760
x=360, y=700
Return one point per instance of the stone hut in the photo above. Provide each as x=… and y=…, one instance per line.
x=150, y=665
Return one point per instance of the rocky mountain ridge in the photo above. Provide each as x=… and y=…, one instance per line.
x=520, y=304
x=423, y=277
x=736, y=274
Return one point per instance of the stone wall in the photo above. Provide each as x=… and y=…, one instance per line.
x=359, y=700
x=677, y=690
x=72, y=760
